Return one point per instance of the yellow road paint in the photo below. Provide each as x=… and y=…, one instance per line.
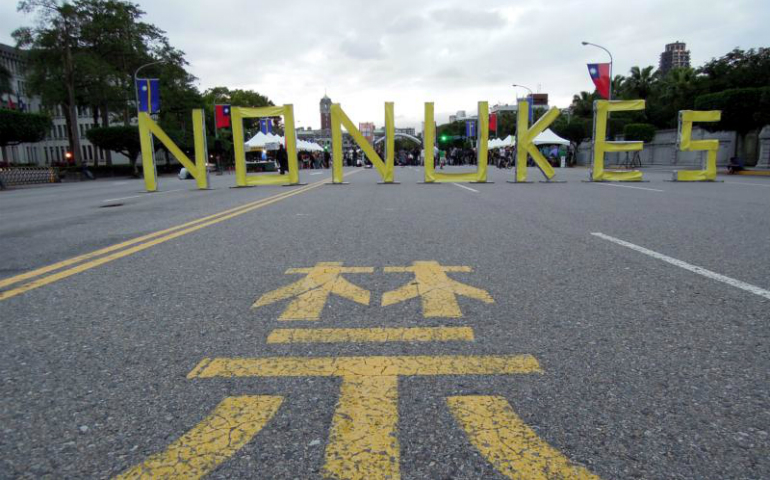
x=173, y=232
x=365, y=366
x=437, y=291
x=509, y=444
x=361, y=335
x=230, y=426
x=363, y=443
x=313, y=291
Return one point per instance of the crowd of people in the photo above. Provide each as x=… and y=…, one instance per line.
x=454, y=156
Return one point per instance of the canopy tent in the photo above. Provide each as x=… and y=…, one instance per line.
x=545, y=138
x=260, y=140
x=550, y=138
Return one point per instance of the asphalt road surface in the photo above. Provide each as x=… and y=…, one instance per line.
x=453, y=331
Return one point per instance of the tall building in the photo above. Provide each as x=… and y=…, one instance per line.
x=326, y=113
x=675, y=55
x=56, y=143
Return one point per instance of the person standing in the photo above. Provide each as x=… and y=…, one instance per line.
x=283, y=159
x=326, y=158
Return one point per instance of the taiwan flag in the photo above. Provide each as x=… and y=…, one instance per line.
x=222, y=115
x=600, y=74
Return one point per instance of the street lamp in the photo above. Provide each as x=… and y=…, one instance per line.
x=608, y=53
x=529, y=99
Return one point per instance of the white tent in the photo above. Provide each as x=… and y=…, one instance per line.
x=258, y=141
x=545, y=138
x=550, y=138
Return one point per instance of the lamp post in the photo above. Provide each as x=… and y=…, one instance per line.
x=608, y=53
x=530, y=99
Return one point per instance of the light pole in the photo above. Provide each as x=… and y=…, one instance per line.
x=608, y=53
x=530, y=98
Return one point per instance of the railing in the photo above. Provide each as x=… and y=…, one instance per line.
x=11, y=176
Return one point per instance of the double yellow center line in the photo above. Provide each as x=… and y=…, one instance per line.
x=40, y=277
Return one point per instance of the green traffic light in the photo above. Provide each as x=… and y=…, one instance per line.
x=443, y=138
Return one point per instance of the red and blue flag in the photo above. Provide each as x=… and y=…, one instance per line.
x=600, y=74
x=222, y=115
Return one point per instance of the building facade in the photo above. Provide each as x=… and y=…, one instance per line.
x=675, y=55
x=53, y=149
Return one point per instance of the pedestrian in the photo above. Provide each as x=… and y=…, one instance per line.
x=283, y=159
x=326, y=158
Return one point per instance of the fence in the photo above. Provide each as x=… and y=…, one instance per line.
x=11, y=176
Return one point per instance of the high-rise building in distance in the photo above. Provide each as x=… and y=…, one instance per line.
x=675, y=55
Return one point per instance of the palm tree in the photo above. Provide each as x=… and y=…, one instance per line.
x=583, y=104
x=641, y=82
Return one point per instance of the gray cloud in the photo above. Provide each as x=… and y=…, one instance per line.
x=461, y=18
x=447, y=51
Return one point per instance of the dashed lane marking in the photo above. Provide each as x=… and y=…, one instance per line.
x=467, y=188
x=363, y=335
x=508, y=443
x=230, y=426
x=689, y=267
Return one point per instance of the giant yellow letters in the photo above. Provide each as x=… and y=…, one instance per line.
x=243, y=180
x=686, y=144
x=429, y=138
x=602, y=146
x=148, y=128
x=525, y=141
x=340, y=118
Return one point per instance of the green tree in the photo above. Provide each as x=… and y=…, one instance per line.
x=573, y=128
x=639, y=132
x=640, y=83
x=122, y=139
x=737, y=69
x=55, y=45
x=743, y=110
x=19, y=127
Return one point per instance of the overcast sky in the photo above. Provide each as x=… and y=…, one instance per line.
x=453, y=53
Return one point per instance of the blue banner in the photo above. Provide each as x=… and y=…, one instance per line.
x=470, y=128
x=266, y=125
x=148, y=94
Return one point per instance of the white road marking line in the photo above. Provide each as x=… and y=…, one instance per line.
x=627, y=186
x=143, y=195
x=467, y=188
x=687, y=266
x=317, y=173
x=119, y=183
x=752, y=184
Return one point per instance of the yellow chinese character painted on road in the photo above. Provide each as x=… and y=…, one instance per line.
x=312, y=291
x=437, y=291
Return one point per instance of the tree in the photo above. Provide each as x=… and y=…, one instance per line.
x=737, y=69
x=573, y=128
x=640, y=83
x=19, y=127
x=123, y=140
x=639, y=132
x=743, y=110
x=55, y=45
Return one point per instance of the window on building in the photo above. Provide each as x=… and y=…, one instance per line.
x=90, y=153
